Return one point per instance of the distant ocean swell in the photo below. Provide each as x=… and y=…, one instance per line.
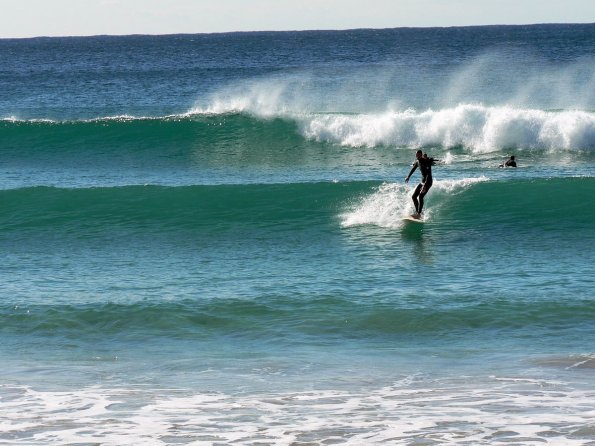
x=538, y=204
x=294, y=319
x=476, y=128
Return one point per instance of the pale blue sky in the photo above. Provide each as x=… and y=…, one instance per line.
x=27, y=18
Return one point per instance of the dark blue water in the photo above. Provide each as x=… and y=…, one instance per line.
x=74, y=78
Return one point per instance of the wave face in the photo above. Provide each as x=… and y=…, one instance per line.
x=154, y=208
x=545, y=203
x=231, y=148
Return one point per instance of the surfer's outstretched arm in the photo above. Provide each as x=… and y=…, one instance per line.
x=411, y=173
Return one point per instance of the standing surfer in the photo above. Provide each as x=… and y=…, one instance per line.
x=425, y=167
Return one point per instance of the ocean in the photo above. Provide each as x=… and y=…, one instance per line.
x=203, y=242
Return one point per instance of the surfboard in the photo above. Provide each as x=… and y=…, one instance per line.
x=413, y=219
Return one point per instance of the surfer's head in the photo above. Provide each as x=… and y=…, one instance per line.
x=419, y=154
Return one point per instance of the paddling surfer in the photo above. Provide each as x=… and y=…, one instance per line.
x=511, y=162
x=425, y=167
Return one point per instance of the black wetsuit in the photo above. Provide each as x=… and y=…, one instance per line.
x=425, y=167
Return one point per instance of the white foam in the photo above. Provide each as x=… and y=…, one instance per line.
x=385, y=207
x=459, y=411
x=480, y=128
x=448, y=158
x=16, y=119
x=452, y=187
x=389, y=203
x=117, y=118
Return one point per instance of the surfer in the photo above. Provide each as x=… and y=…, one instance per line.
x=509, y=163
x=425, y=164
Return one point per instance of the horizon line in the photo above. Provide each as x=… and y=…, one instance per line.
x=65, y=36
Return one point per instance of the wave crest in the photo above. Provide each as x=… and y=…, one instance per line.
x=475, y=127
x=480, y=128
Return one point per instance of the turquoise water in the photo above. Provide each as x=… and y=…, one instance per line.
x=203, y=242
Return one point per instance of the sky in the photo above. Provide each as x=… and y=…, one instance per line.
x=32, y=18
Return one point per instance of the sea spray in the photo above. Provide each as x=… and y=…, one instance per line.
x=390, y=202
x=385, y=207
